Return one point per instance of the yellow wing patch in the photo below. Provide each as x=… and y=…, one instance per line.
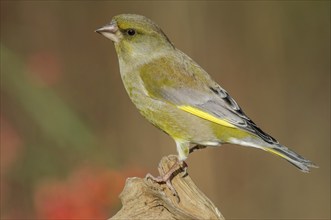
x=205, y=115
x=275, y=152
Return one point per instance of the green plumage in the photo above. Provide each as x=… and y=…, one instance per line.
x=176, y=95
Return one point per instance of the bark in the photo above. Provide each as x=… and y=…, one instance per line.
x=146, y=199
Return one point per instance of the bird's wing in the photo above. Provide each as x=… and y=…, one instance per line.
x=215, y=105
x=191, y=89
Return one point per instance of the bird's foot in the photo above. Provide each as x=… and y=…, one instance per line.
x=166, y=178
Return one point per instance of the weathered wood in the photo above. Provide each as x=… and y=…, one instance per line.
x=145, y=199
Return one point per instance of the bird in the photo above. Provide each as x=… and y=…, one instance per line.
x=179, y=97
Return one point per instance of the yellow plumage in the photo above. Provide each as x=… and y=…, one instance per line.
x=178, y=96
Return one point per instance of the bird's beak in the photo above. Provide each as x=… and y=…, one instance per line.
x=110, y=31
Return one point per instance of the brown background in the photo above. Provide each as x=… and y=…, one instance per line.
x=272, y=57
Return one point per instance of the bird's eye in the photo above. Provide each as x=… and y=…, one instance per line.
x=131, y=32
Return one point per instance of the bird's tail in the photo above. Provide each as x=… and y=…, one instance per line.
x=292, y=157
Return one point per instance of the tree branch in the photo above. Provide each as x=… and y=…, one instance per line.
x=145, y=199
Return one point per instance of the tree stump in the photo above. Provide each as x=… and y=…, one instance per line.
x=146, y=199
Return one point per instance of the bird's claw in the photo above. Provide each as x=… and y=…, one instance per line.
x=167, y=177
x=164, y=179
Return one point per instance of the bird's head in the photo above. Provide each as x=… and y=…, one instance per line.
x=135, y=36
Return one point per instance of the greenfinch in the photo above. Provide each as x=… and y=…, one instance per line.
x=177, y=96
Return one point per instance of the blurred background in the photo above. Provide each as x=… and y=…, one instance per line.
x=70, y=135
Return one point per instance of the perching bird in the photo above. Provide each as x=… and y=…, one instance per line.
x=176, y=95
